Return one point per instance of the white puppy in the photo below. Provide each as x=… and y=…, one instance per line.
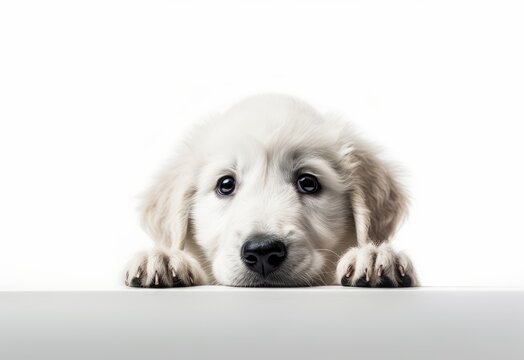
x=272, y=193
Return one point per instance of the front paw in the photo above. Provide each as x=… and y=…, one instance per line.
x=161, y=269
x=376, y=266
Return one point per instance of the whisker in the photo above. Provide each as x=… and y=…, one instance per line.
x=329, y=250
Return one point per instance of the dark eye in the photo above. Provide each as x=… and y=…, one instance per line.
x=307, y=184
x=226, y=185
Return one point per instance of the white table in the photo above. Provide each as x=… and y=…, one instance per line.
x=229, y=323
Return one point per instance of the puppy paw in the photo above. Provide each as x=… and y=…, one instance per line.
x=376, y=266
x=161, y=269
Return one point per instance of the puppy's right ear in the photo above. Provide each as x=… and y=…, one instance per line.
x=166, y=205
x=378, y=201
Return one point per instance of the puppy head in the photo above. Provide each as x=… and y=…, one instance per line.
x=269, y=191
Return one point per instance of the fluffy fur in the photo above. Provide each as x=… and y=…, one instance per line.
x=338, y=236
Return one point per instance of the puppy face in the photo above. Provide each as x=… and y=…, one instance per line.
x=274, y=194
x=269, y=193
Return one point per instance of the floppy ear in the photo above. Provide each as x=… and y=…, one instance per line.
x=377, y=199
x=166, y=206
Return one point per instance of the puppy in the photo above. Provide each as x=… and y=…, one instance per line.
x=273, y=193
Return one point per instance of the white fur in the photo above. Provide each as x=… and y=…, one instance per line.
x=265, y=142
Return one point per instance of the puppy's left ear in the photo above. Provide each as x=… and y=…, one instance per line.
x=166, y=205
x=377, y=199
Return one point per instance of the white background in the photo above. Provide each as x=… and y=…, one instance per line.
x=94, y=95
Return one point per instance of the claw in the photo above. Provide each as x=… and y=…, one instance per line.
x=173, y=273
x=191, y=281
x=156, y=278
x=349, y=271
x=379, y=271
x=401, y=269
x=138, y=273
x=127, y=278
x=367, y=275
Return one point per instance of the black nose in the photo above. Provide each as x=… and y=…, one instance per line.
x=263, y=253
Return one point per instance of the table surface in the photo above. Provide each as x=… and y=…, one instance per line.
x=212, y=322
